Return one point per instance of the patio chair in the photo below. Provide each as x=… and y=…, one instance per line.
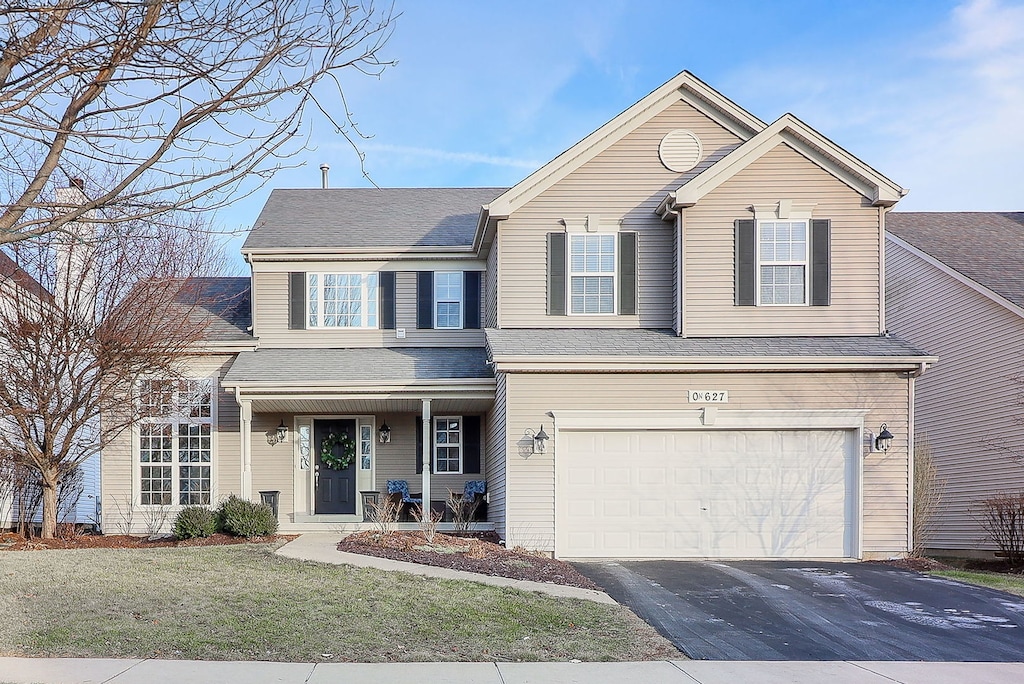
x=400, y=488
x=473, y=493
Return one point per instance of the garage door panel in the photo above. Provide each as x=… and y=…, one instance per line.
x=756, y=494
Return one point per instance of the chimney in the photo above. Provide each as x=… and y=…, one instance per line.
x=78, y=183
x=324, y=168
x=75, y=281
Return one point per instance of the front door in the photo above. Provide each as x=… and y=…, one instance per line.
x=335, y=484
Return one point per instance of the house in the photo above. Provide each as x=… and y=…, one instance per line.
x=955, y=286
x=667, y=342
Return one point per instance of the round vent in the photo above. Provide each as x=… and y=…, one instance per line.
x=680, y=150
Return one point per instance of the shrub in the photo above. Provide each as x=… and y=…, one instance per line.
x=1002, y=517
x=194, y=521
x=244, y=518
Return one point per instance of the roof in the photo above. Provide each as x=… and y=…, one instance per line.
x=9, y=270
x=220, y=304
x=987, y=247
x=375, y=364
x=369, y=217
x=666, y=344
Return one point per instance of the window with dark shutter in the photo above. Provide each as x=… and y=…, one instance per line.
x=746, y=263
x=471, y=444
x=627, y=273
x=387, y=300
x=425, y=299
x=472, y=300
x=821, y=280
x=556, y=274
x=419, y=445
x=296, y=301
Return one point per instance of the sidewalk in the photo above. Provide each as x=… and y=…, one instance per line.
x=96, y=671
x=322, y=547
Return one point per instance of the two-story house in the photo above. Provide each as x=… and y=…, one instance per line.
x=666, y=342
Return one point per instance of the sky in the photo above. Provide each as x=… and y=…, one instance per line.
x=928, y=92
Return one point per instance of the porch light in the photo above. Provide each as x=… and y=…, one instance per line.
x=539, y=438
x=384, y=433
x=282, y=431
x=884, y=439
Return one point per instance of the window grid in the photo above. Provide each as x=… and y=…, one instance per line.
x=448, y=287
x=179, y=435
x=592, y=274
x=782, y=257
x=365, y=446
x=448, y=445
x=341, y=300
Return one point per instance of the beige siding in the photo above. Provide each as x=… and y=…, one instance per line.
x=496, y=456
x=119, y=462
x=780, y=174
x=270, y=290
x=530, y=507
x=968, y=405
x=490, y=298
x=624, y=183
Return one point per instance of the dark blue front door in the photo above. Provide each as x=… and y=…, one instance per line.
x=335, y=489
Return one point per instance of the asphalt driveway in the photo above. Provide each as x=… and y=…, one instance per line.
x=806, y=610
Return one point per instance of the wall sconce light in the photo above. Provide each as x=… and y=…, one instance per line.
x=884, y=439
x=279, y=434
x=539, y=438
x=384, y=433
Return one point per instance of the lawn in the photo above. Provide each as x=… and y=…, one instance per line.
x=245, y=603
x=1012, y=584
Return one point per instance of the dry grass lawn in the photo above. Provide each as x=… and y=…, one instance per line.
x=245, y=603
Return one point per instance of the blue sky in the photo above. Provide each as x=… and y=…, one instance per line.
x=930, y=93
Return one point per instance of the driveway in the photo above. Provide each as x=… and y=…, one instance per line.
x=807, y=610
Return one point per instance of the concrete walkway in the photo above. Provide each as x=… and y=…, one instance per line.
x=90, y=671
x=322, y=547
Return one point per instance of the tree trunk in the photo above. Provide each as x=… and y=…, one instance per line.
x=50, y=484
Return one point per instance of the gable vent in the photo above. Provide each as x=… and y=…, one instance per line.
x=680, y=150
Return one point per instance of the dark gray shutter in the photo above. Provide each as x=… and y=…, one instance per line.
x=471, y=283
x=419, y=445
x=556, y=274
x=471, y=445
x=387, y=300
x=627, y=273
x=425, y=299
x=821, y=279
x=746, y=263
x=296, y=301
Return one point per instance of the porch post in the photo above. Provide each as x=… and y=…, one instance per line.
x=246, y=412
x=428, y=456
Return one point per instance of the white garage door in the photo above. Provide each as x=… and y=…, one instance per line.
x=717, y=494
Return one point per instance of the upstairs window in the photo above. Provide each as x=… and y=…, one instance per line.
x=448, y=299
x=782, y=262
x=341, y=300
x=592, y=274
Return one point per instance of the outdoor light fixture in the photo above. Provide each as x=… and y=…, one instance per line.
x=384, y=433
x=884, y=439
x=279, y=434
x=539, y=438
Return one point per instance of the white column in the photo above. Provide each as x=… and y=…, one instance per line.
x=246, y=407
x=428, y=455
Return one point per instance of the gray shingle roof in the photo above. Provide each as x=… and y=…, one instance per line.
x=221, y=303
x=987, y=247
x=399, y=364
x=665, y=343
x=369, y=217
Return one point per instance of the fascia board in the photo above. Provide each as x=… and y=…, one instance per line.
x=215, y=347
x=356, y=253
x=661, y=364
x=957, y=275
x=290, y=386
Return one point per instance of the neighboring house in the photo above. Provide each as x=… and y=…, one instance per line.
x=688, y=303
x=955, y=286
x=79, y=498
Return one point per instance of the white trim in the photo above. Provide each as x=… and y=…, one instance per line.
x=804, y=263
x=957, y=275
x=365, y=301
x=363, y=477
x=668, y=364
x=435, y=445
x=570, y=274
x=461, y=301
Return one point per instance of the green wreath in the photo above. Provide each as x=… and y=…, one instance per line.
x=348, y=451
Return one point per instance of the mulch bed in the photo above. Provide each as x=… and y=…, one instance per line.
x=16, y=542
x=915, y=563
x=471, y=554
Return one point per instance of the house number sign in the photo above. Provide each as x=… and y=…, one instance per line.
x=708, y=396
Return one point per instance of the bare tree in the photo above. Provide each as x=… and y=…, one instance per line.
x=102, y=313
x=167, y=105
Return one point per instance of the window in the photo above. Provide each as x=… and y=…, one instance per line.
x=341, y=300
x=365, y=446
x=448, y=445
x=175, y=442
x=592, y=274
x=448, y=299
x=782, y=262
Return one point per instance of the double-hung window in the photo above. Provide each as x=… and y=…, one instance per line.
x=448, y=445
x=341, y=300
x=782, y=262
x=175, y=442
x=592, y=274
x=448, y=289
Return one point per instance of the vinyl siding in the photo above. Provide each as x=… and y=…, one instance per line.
x=496, y=456
x=119, y=464
x=530, y=480
x=624, y=183
x=782, y=173
x=270, y=292
x=968, y=405
x=490, y=285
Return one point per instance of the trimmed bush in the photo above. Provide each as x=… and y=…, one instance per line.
x=194, y=521
x=244, y=518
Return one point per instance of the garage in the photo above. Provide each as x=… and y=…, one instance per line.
x=730, y=493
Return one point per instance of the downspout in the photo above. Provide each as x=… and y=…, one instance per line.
x=911, y=445
x=881, y=270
